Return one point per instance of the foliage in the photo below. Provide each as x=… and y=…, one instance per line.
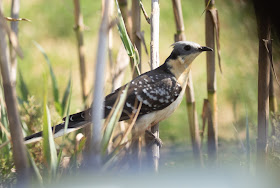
x=7, y=168
x=31, y=115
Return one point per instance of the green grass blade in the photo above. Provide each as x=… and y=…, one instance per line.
x=68, y=107
x=35, y=169
x=23, y=87
x=123, y=33
x=49, y=149
x=59, y=158
x=130, y=49
x=113, y=121
x=69, y=87
x=53, y=78
x=66, y=95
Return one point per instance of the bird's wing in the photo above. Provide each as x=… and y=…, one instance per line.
x=154, y=91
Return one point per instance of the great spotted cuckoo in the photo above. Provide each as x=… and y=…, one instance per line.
x=156, y=94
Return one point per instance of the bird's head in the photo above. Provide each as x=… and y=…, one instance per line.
x=180, y=59
x=186, y=51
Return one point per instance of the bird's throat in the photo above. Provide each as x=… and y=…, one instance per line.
x=180, y=71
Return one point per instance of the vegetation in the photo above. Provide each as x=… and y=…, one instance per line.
x=49, y=87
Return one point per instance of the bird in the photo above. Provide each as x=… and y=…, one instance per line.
x=154, y=94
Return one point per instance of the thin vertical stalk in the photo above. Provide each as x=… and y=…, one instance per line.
x=14, y=27
x=19, y=150
x=192, y=115
x=79, y=28
x=98, y=95
x=122, y=57
x=211, y=85
x=153, y=148
x=110, y=49
x=264, y=29
x=136, y=28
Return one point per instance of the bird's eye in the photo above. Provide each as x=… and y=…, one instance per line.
x=187, y=47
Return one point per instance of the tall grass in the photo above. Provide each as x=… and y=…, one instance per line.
x=60, y=105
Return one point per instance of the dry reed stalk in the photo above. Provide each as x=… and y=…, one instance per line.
x=98, y=95
x=79, y=28
x=136, y=28
x=264, y=32
x=14, y=27
x=211, y=85
x=112, y=22
x=19, y=150
x=153, y=148
x=192, y=114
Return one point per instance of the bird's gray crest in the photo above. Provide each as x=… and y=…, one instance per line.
x=185, y=48
x=184, y=43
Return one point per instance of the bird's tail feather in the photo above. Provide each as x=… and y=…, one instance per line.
x=58, y=130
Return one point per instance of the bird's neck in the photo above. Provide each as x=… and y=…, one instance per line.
x=180, y=69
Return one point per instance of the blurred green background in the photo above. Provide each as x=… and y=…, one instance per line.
x=52, y=24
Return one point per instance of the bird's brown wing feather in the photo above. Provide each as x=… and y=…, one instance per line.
x=155, y=92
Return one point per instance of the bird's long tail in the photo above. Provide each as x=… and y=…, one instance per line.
x=58, y=130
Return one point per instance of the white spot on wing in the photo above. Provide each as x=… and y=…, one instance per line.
x=128, y=105
x=147, y=103
x=139, y=98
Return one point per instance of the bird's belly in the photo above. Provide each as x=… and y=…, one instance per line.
x=155, y=117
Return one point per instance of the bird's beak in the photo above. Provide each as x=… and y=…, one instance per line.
x=205, y=48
